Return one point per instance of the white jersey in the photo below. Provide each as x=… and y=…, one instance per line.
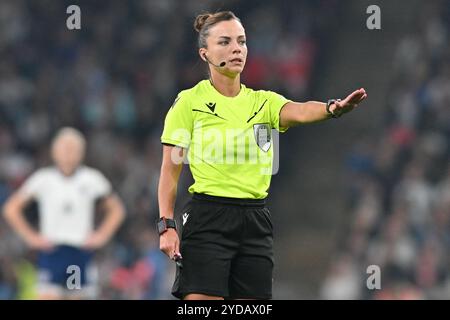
x=66, y=203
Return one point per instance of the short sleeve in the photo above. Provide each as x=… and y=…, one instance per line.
x=33, y=184
x=179, y=123
x=275, y=103
x=101, y=185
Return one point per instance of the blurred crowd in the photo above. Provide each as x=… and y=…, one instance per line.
x=114, y=80
x=399, y=180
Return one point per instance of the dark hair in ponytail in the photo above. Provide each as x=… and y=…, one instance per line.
x=205, y=21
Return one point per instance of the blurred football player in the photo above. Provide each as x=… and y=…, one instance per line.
x=67, y=195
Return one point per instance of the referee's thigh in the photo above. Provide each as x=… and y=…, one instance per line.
x=207, y=247
x=203, y=272
x=252, y=268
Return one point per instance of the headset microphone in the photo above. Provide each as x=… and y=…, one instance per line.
x=221, y=65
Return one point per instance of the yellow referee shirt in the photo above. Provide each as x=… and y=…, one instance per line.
x=229, y=139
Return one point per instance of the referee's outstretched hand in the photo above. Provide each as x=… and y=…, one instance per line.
x=169, y=243
x=349, y=103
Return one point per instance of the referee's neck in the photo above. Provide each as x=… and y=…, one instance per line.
x=225, y=85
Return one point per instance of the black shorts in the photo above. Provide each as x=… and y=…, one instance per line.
x=227, y=249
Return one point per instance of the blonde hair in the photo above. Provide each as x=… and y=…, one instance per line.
x=69, y=132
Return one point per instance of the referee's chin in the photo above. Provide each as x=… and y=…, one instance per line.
x=237, y=68
x=233, y=71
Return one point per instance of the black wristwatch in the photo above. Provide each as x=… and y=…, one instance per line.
x=164, y=223
x=329, y=103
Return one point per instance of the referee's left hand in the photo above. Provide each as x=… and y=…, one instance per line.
x=349, y=103
x=169, y=243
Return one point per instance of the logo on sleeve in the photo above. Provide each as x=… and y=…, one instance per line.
x=262, y=136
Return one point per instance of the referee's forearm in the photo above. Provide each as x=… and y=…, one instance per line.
x=313, y=111
x=167, y=192
x=168, y=182
x=296, y=113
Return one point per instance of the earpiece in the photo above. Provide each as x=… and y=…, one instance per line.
x=221, y=65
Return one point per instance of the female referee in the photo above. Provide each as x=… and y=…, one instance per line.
x=225, y=128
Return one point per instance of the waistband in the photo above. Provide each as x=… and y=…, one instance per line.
x=230, y=201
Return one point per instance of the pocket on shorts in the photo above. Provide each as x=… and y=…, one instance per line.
x=268, y=218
